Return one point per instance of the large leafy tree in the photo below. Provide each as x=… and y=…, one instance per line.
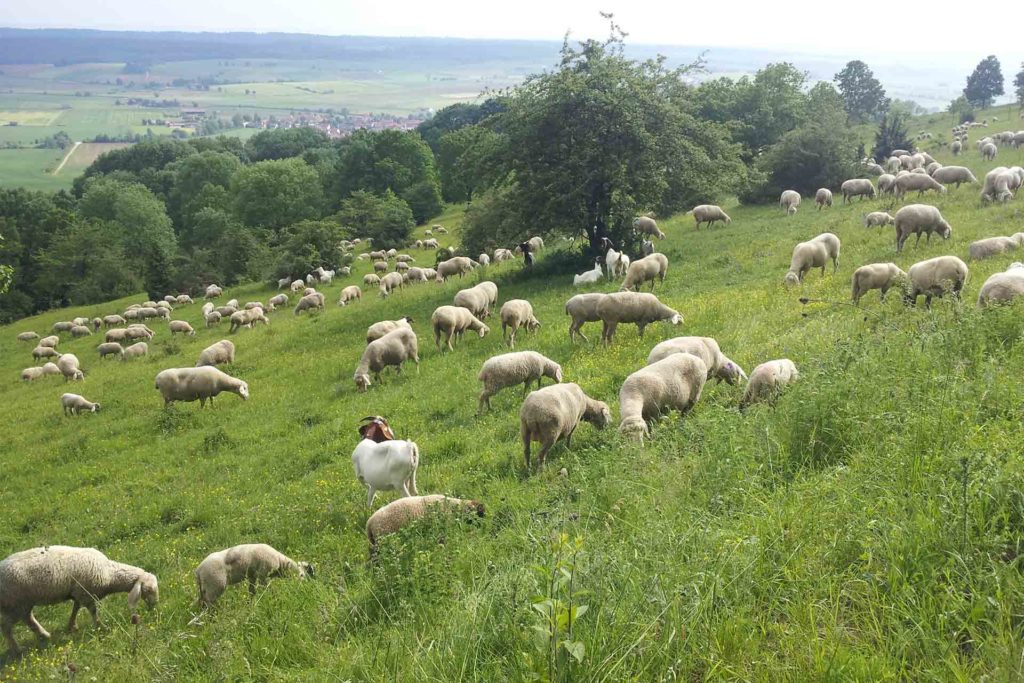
x=194, y=179
x=283, y=143
x=275, y=194
x=1018, y=86
x=985, y=83
x=309, y=244
x=88, y=262
x=468, y=159
x=386, y=218
x=863, y=94
x=6, y=272
x=892, y=134
x=453, y=117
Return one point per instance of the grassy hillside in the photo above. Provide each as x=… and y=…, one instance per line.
x=867, y=527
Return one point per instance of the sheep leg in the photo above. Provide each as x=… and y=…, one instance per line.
x=72, y=620
x=512, y=339
x=524, y=432
x=640, y=327
x=448, y=340
x=412, y=484
x=370, y=494
x=7, y=626
x=485, y=400
x=36, y=627
x=91, y=606
x=543, y=454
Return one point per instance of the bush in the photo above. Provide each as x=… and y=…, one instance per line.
x=386, y=219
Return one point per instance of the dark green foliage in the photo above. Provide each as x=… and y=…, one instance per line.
x=863, y=96
x=494, y=219
x=467, y=159
x=196, y=179
x=386, y=219
x=88, y=261
x=306, y=245
x=985, y=83
x=1018, y=85
x=141, y=162
x=961, y=109
x=274, y=194
x=283, y=143
x=453, y=118
x=891, y=134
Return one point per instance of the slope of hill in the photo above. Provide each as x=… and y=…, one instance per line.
x=867, y=526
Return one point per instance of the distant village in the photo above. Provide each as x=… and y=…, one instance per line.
x=333, y=124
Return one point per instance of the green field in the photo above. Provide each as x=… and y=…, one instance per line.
x=866, y=527
x=31, y=168
x=84, y=154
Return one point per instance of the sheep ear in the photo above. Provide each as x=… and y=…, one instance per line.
x=134, y=594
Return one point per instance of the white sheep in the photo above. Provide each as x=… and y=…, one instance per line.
x=53, y=341
x=40, y=352
x=935, y=277
x=917, y=219
x=136, y=351
x=647, y=247
x=457, y=265
x=62, y=326
x=453, y=321
x=645, y=269
x=582, y=308
x=386, y=466
x=1002, y=287
x=989, y=151
x=823, y=198
x=478, y=299
x=709, y=213
x=199, y=383
x=378, y=330
x=813, y=254
x=789, y=201
x=389, y=283
x=645, y=225
x=991, y=246
x=878, y=218
x=393, y=349
x=74, y=404
x=672, y=383
x=277, y=300
x=883, y=276
x=632, y=307
x=310, y=302
x=553, y=413
x=254, y=563
x=219, y=353
x=53, y=574
x=350, y=293
x=616, y=263
x=886, y=183
x=516, y=314
x=513, y=369
x=999, y=185
x=297, y=286
x=768, y=380
x=394, y=516
x=27, y=336
x=857, y=187
x=110, y=349
x=922, y=182
x=371, y=280
x=248, y=319
x=585, y=278
x=69, y=367
x=176, y=326
x=212, y=292
x=707, y=349
x=80, y=331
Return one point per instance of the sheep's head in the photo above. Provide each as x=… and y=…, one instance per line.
x=730, y=373
x=533, y=325
x=243, y=390
x=95, y=407
x=145, y=587
x=791, y=210
x=791, y=279
x=553, y=371
x=945, y=230
x=483, y=330
x=634, y=428
x=598, y=414
x=306, y=570
x=362, y=381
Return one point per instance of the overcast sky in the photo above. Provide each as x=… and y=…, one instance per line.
x=791, y=24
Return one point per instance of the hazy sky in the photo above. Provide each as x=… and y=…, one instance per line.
x=793, y=24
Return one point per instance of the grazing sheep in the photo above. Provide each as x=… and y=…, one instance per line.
x=991, y=246
x=921, y=182
x=789, y=201
x=709, y=213
x=110, y=349
x=52, y=574
x=457, y=265
x=813, y=254
x=211, y=318
x=380, y=266
x=386, y=466
x=478, y=299
x=390, y=283
x=212, y=292
x=78, y=322
x=297, y=286
x=33, y=373
x=241, y=319
x=199, y=383
x=645, y=225
x=62, y=326
x=69, y=367
x=393, y=349
x=707, y=349
x=886, y=183
x=916, y=219
x=878, y=218
x=647, y=247
x=379, y=255
x=74, y=404
x=350, y=293
x=645, y=269
x=378, y=330
x=823, y=198
x=768, y=380
x=415, y=274
x=80, y=331
x=616, y=263
x=935, y=277
x=588, y=277
x=956, y=148
x=284, y=282
x=999, y=185
x=217, y=354
x=371, y=280
x=41, y=352
x=226, y=311
x=989, y=151
x=932, y=168
x=117, y=335
x=394, y=516
x=582, y=308
x=310, y=302
x=1002, y=287
x=249, y=305
x=672, y=383
x=254, y=563
x=632, y=307
x=453, y=321
x=513, y=369
x=27, y=336
x=176, y=326
x=430, y=244
x=517, y=313
x=954, y=175
x=53, y=341
x=278, y=300
x=136, y=351
x=883, y=276
x=857, y=187
x=553, y=413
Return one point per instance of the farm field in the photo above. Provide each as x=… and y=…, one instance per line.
x=84, y=154
x=865, y=527
x=31, y=168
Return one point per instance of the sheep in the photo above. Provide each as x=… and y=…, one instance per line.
x=62, y=326
x=207, y=307
x=116, y=335
x=284, y=282
x=199, y=383
x=484, y=259
x=74, y=404
x=363, y=257
x=350, y=293
x=440, y=230
x=893, y=164
x=644, y=269
x=248, y=319
x=768, y=380
x=430, y=244
x=96, y=323
x=709, y=213
x=429, y=274
x=878, y=218
x=789, y=201
x=514, y=314
x=53, y=341
x=52, y=574
x=176, y=326
x=645, y=225
x=935, y=277
x=297, y=286
x=813, y=254
x=632, y=307
x=380, y=266
x=69, y=367
x=393, y=349
x=453, y=321
x=991, y=246
x=457, y=265
x=672, y=383
x=226, y=311
x=415, y=274
x=956, y=147
x=379, y=255
x=707, y=349
x=249, y=305
x=513, y=369
x=918, y=218
x=590, y=276
x=823, y=198
x=582, y=308
x=78, y=322
x=998, y=185
x=50, y=369
x=883, y=276
x=857, y=187
x=41, y=352
x=255, y=563
x=989, y=151
x=33, y=373
x=278, y=300
x=326, y=276
x=917, y=181
x=212, y=318
x=311, y=279
x=27, y=336
x=503, y=255
x=218, y=353
x=553, y=413
x=394, y=516
x=212, y=292
x=1002, y=287
x=110, y=349
x=310, y=302
x=647, y=247
x=886, y=183
x=954, y=175
x=478, y=299
x=378, y=330
x=932, y=168
x=137, y=350
x=80, y=331
x=389, y=283
x=386, y=466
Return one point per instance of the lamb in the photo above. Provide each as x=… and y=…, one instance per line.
x=429, y=274
x=378, y=330
x=52, y=341
x=78, y=322
x=391, y=282
x=813, y=254
x=96, y=323
x=991, y=246
x=672, y=383
x=823, y=198
x=284, y=282
x=386, y=466
x=52, y=574
x=989, y=151
x=918, y=218
x=954, y=175
x=616, y=263
x=440, y=230
x=297, y=286
x=632, y=307
x=883, y=276
x=517, y=313
x=33, y=373
x=27, y=336
x=199, y=383
x=921, y=182
x=789, y=201
x=415, y=274
x=110, y=349
x=326, y=276
x=249, y=305
x=212, y=292
x=932, y=168
x=457, y=265
x=69, y=367
x=116, y=335
x=136, y=351
x=1002, y=287
x=709, y=213
x=935, y=277
x=857, y=187
x=644, y=269
x=484, y=259
x=886, y=183
x=226, y=311
x=768, y=380
x=41, y=352
x=310, y=302
x=393, y=349
x=587, y=277
x=50, y=369
x=278, y=300
x=878, y=218
x=207, y=307
x=217, y=354
x=707, y=349
x=513, y=369
x=255, y=563
x=553, y=413
x=74, y=404
x=582, y=308
x=645, y=225
x=350, y=293
x=80, y=331
x=453, y=321
x=176, y=326
x=478, y=299
x=394, y=516
x=402, y=267
x=379, y=255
